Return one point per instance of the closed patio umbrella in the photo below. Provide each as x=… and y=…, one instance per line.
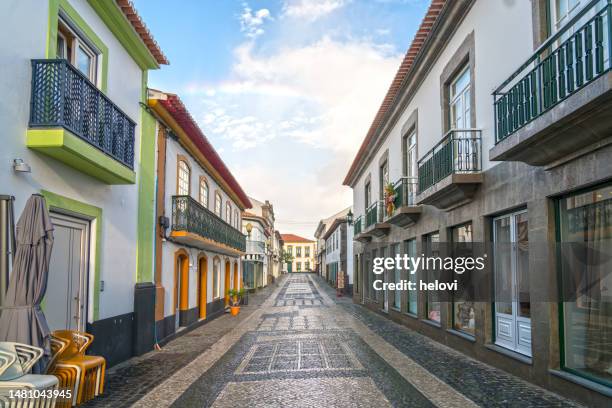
x=22, y=320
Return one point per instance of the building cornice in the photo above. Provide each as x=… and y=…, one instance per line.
x=448, y=16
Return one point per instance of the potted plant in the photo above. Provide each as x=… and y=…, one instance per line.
x=390, y=195
x=235, y=297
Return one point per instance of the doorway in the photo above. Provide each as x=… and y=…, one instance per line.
x=511, y=267
x=227, y=281
x=181, y=285
x=202, y=286
x=65, y=301
x=236, y=277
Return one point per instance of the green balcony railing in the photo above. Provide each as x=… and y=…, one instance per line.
x=405, y=191
x=189, y=215
x=459, y=151
x=374, y=213
x=566, y=62
x=357, y=226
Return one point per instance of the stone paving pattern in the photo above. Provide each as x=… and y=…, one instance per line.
x=128, y=382
x=296, y=345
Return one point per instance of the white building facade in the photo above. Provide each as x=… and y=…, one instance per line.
x=75, y=73
x=199, y=222
x=447, y=164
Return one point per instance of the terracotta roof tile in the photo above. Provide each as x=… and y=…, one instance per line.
x=141, y=29
x=294, y=238
x=415, y=47
x=181, y=115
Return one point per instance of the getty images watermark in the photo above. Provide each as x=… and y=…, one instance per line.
x=458, y=265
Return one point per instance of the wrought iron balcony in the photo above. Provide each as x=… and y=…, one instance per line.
x=375, y=224
x=374, y=213
x=574, y=58
x=405, y=191
x=406, y=212
x=357, y=227
x=450, y=172
x=255, y=247
x=190, y=216
x=63, y=97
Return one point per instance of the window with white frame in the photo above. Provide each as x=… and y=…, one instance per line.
x=228, y=212
x=203, y=192
x=218, y=205
x=77, y=50
x=460, y=101
x=183, y=178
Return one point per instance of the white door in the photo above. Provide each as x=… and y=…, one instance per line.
x=65, y=302
x=512, y=306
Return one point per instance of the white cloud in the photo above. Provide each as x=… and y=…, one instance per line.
x=296, y=210
x=329, y=90
x=251, y=22
x=311, y=10
x=296, y=111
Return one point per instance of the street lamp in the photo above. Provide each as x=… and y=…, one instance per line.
x=249, y=228
x=349, y=217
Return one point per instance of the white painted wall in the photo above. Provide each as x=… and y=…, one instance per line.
x=173, y=150
x=503, y=41
x=349, y=253
x=23, y=36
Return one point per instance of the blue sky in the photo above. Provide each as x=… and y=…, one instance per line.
x=284, y=89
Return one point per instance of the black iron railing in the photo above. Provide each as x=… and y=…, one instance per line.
x=189, y=215
x=566, y=62
x=63, y=96
x=459, y=151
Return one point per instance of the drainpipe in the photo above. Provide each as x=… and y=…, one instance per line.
x=7, y=241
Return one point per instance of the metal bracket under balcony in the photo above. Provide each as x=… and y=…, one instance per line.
x=557, y=105
x=450, y=173
x=406, y=212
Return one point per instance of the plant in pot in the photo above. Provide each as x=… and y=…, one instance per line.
x=390, y=195
x=235, y=297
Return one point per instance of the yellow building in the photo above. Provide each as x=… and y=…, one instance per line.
x=303, y=251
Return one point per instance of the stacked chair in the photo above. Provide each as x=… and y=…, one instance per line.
x=82, y=374
x=16, y=360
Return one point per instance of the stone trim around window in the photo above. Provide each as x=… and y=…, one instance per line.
x=464, y=56
x=412, y=123
x=540, y=21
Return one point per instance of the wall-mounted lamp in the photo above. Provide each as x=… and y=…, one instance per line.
x=349, y=217
x=21, y=167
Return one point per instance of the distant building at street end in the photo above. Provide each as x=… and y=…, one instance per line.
x=335, y=249
x=303, y=252
x=262, y=260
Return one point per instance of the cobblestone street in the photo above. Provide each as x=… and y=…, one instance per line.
x=296, y=345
